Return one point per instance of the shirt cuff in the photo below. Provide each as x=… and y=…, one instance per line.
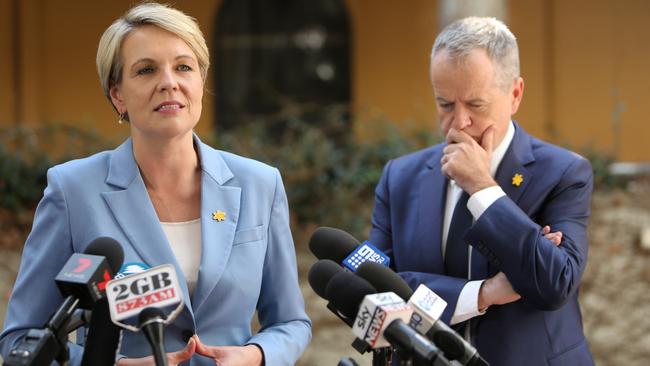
x=481, y=200
x=467, y=305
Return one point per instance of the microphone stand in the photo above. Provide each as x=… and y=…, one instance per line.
x=381, y=356
x=42, y=346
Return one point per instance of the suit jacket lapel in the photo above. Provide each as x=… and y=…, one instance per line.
x=216, y=236
x=518, y=155
x=431, y=211
x=135, y=213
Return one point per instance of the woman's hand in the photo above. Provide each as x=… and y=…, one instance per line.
x=173, y=358
x=230, y=355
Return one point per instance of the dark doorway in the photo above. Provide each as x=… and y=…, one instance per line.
x=277, y=60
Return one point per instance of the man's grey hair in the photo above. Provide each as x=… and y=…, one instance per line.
x=467, y=34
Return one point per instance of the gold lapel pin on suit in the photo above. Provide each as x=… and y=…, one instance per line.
x=219, y=215
x=517, y=179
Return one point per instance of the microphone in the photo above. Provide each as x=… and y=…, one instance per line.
x=157, y=287
x=450, y=342
x=82, y=282
x=345, y=304
x=376, y=312
x=84, y=276
x=152, y=321
x=103, y=336
x=347, y=361
x=325, y=275
x=348, y=300
x=319, y=276
x=380, y=319
x=428, y=308
x=341, y=247
x=330, y=243
x=130, y=268
x=146, y=294
x=78, y=319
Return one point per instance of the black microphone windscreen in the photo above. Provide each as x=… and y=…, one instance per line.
x=108, y=248
x=346, y=292
x=152, y=325
x=150, y=313
x=331, y=243
x=320, y=275
x=384, y=279
x=452, y=345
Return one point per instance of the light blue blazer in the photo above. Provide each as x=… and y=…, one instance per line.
x=248, y=260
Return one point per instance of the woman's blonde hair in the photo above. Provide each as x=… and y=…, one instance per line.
x=109, y=63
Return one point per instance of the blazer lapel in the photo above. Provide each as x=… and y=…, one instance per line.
x=431, y=212
x=512, y=174
x=216, y=235
x=135, y=213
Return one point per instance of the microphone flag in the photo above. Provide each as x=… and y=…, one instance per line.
x=157, y=287
x=366, y=252
x=428, y=308
x=376, y=312
x=84, y=276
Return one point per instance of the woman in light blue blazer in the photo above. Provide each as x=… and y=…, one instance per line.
x=222, y=220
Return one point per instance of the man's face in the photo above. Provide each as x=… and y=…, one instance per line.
x=468, y=97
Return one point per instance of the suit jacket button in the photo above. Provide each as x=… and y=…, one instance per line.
x=187, y=334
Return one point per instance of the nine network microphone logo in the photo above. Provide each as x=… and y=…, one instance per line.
x=365, y=252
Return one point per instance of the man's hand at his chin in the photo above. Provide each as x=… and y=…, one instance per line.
x=467, y=162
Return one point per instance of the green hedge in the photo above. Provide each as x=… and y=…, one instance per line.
x=329, y=176
x=27, y=152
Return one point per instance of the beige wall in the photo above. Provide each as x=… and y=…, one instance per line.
x=602, y=82
x=584, y=62
x=391, y=46
x=58, y=47
x=526, y=20
x=6, y=77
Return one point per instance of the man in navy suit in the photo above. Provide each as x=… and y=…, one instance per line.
x=468, y=217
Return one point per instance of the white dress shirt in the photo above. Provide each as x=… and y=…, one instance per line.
x=467, y=305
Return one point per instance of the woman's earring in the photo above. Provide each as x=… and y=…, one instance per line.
x=121, y=120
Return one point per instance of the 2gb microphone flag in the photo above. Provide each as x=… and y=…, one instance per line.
x=157, y=287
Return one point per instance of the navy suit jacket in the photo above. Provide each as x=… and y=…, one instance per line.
x=247, y=264
x=545, y=326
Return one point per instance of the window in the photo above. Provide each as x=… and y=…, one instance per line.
x=280, y=59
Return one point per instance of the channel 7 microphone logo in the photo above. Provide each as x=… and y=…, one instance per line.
x=365, y=252
x=84, y=276
x=156, y=287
